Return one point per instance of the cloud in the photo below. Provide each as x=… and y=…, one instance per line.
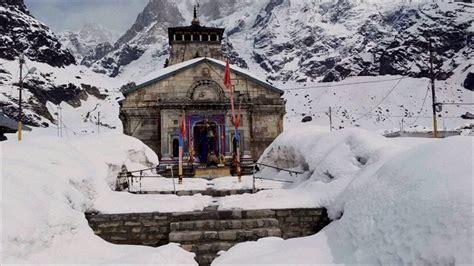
x=61, y=15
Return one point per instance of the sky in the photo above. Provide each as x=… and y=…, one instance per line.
x=62, y=15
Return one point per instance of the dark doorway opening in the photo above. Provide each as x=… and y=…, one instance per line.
x=175, y=148
x=205, y=139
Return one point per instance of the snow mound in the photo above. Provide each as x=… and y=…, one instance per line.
x=417, y=208
x=328, y=162
x=49, y=182
x=411, y=203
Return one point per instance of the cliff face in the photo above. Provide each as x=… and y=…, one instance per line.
x=20, y=32
x=57, y=79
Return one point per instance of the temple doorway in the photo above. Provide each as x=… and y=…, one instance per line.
x=205, y=139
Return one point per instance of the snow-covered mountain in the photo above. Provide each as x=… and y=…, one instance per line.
x=302, y=41
x=57, y=78
x=292, y=43
x=20, y=32
x=86, y=39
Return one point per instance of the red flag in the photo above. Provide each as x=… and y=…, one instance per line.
x=183, y=126
x=227, y=81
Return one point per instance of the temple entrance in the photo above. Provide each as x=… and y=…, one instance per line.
x=205, y=140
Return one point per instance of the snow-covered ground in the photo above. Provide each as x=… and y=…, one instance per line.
x=394, y=201
x=220, y=183
x=49, y=182
x=382, y=103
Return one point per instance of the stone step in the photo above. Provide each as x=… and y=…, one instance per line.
x=208, y=248
x=224, y=215
x=205, y=259
x=218, y=225
x=234, y=235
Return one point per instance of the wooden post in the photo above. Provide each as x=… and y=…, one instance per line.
x=239, y=173
x=180, y=164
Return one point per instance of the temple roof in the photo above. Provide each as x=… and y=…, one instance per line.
x=169, y=71
x=194, y=28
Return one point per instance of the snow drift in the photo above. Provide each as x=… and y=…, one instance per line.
x=409, y=201
x=47, y=185
x=329, y=161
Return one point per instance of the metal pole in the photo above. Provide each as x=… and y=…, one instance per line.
x=59, y=121
x=98, y=123
x=433, y=92
x=20, y=110
x=330, y=118
x=253, y=182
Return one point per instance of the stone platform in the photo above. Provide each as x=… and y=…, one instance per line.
x=212, y=172
x=206, y=232
x=207, y=192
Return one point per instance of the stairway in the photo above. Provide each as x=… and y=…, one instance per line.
x=207, y=237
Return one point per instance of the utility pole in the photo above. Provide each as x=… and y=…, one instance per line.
x=330, y=118
x=60, y=110
x=98, y=123
x=433, y=92
x=59, y=119
x=20, y=111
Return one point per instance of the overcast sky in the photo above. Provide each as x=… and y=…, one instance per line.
x=61, y=15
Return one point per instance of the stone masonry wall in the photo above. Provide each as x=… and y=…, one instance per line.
x=153, y=229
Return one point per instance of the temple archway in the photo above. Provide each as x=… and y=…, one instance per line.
x=205, y=139
x=206, y=91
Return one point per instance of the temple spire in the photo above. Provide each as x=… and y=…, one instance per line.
x=195, y=18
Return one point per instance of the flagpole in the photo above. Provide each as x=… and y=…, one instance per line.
x=182, y=136
x=180, y=163
x=228, y=85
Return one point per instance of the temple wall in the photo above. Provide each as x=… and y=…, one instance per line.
x=153, y=112
x=186, y=51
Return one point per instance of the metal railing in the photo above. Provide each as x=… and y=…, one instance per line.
x=257, y=169
x=131, y=178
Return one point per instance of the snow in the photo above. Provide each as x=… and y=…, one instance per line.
x=49, y=182
x=221, y=183
x=329, y=162
x=394, y=201
x=241, y=70
x=231, y=182
x=411, y=203
x=378, y=103
x=166, y=71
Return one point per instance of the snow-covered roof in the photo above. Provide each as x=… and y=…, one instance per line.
x=171, y=70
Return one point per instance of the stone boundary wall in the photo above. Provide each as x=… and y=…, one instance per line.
x=153, y=229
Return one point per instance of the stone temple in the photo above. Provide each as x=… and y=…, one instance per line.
x=192, y=83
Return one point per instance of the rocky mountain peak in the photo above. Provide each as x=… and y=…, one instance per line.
x=18, y=4
x=85, y=40
x=22, y=33
x=157, y=16
x=301, y=41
